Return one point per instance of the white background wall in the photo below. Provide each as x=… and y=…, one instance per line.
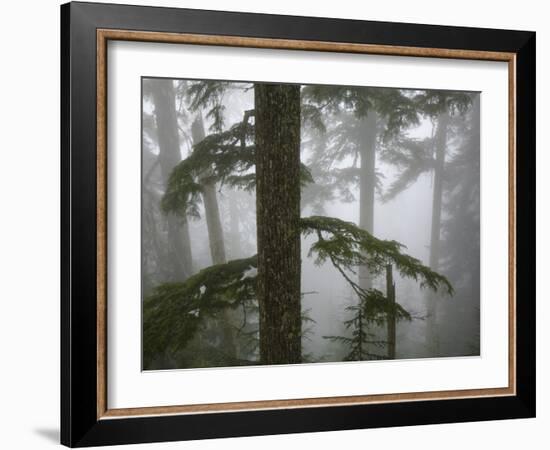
x=29, y=224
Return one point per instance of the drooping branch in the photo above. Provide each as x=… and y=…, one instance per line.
x=174, y=312
x=348, y=246
x=208, y=95
x=227, y=157
x=221, y=155
x=412, y=157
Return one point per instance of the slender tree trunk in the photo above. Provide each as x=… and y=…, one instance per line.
x=277, y=124
x=215, y=238
x=474, y=268
x=391, y=321
x=170, y=155
x=234, y=228
x=440, y=147
x=367, y=185
x=210, y=199
x=476, y=122
x=213, y=223
x=432, y=334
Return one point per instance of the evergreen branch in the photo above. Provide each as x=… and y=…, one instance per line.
x=227, y=158
x=348, y=246
x=412, y=157
x=174, y=311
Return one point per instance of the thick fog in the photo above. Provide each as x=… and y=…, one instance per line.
x=406, y=167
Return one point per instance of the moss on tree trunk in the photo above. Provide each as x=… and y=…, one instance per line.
x=277, y=124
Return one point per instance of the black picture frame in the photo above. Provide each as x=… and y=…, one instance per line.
x=80, y=425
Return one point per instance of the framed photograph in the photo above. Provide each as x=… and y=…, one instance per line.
x=277, y=224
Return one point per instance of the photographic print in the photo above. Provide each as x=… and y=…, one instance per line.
x=279, y=203
x=288, y=224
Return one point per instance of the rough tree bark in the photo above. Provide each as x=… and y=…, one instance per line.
x=432, y=333
x=169, y=154
x=277, y=124
x=367, y=185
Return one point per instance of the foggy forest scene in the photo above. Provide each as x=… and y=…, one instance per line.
x=289, y=224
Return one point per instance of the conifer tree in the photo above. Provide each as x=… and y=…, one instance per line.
x=361, y=114
x=175, y=311
x=263, y=154
x=163, y=97
x=415, y=157
x=277, y=139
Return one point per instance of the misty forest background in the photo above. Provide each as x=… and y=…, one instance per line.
x=290, y=224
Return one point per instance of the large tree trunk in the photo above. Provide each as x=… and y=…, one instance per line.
x=277, y=124
x=367, y=185
x=170, y=155
x=432, y=333
x=215, y=238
